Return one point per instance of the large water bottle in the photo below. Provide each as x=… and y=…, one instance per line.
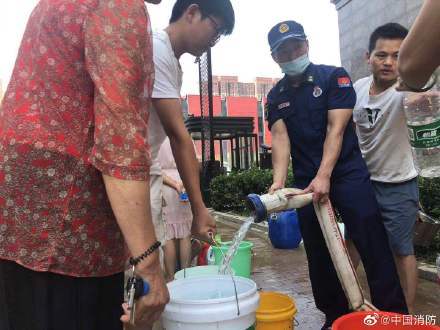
x=422, y=112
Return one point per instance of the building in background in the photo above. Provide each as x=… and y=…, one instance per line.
x=263, y=86
x=246, y=89
x=225, y=86
x=358, y=19
x=233, y=98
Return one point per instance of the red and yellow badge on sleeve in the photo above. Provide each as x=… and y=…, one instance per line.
x=344, y=82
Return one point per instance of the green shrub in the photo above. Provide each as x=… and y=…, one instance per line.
x=430, y=201
x=430, y=196
x=228, y=192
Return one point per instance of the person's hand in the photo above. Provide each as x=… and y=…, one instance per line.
x=422, y=100
x=149, y=307
x=320, y=187
x=203, y=225
x=179, y=187
x=275, y=186
x=401, y=86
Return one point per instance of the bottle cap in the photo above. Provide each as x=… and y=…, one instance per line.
x=183, y=197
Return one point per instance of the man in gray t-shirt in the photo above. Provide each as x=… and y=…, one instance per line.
x=384, y=143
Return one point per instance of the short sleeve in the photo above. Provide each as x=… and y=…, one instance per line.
x=166, y=83
x=272, y=114
x=118, y=53
x=341, y=92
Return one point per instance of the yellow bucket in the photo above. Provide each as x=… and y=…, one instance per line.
x=276, y=311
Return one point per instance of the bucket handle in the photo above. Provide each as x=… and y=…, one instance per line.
x=295, y=322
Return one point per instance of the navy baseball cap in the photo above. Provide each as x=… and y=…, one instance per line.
x=283, y=31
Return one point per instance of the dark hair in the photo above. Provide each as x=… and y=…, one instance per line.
x=221, y=9
x=387, y=31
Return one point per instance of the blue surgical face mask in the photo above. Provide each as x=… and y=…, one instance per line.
x=295, y=67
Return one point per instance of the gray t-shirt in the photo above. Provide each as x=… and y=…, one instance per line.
x=383, y=134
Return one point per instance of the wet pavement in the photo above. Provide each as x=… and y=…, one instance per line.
x=286, y=271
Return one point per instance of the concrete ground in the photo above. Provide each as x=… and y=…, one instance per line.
x=286, y=271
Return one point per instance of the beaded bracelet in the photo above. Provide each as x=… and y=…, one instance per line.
x=150, y=250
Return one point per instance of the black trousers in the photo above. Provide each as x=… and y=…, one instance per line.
x=354, y=198
x=32, y=300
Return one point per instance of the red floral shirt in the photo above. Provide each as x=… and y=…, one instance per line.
x=76, y=107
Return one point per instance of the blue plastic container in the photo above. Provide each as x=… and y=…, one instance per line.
x=284, y=232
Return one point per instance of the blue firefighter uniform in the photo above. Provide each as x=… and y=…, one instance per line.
x=304, y=110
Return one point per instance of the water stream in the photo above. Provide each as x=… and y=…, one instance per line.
x=225, y=267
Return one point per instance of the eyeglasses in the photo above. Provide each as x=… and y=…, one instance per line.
x=218, y=30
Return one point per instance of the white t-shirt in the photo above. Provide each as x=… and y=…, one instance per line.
x=383, y=134
x=167, y=85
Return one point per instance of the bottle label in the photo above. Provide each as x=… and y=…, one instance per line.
x=425, y=136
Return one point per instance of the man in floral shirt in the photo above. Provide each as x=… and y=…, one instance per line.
x=74, y=168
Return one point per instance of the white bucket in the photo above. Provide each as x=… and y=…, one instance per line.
x=209, y=303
